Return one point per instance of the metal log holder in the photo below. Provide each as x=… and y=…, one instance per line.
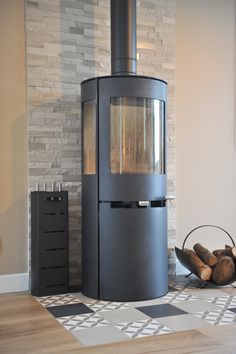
x=49, y=242
x=205, y=283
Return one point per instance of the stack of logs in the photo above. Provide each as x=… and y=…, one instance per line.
x=217, y=267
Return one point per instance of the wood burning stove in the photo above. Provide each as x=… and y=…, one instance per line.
x=124, y=219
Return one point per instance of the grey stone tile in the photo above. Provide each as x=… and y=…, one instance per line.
x=99, y=335
x=230, y=290
x=157, y=301
x=84, y=298
x=127, y=315
x=196, y=306
x=183, y=322
x=206, y=293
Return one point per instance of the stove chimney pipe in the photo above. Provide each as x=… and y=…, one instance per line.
x=123, y=37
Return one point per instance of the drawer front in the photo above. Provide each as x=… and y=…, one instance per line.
x=54, y=258
x=53, y=240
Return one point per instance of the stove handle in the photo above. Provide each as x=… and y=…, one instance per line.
x=170, y=197
x=143, y=203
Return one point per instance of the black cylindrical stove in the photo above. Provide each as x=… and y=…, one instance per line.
x=124, y=218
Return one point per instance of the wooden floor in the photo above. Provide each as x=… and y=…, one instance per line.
x=27, y=327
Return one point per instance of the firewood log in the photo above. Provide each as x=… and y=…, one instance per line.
x=191, y=261
x=227, y=251
x=233, y=250
x=224, y=271
x=205, y=255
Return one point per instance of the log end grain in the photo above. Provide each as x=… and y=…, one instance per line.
x=224, y=271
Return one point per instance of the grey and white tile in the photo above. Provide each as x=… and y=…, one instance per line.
x=58, y=300
x=98, y=305
x=217, y=318
x=178, y=296
x=184, y=322
x=223, y=301
x=196, y=306
x=183, y=282
x=143, y=328
x=87, y=320
x=94, y=321
x=205, y=293
x=83, y=298
x=99, y=335
x=156, y=301
x=126, y=315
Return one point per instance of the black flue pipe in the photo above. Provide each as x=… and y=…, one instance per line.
x=123, y=37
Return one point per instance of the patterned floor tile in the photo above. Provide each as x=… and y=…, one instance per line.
x=230, y=290
x=187, y=305
x=171, y=288
x=58, y=300
x=232, y=309
x=83, y=298
x=99, y=335
x=182, y=282
x=99, y=305
x=223, y=301
x=217, y=318
x=157, y=311
x=126, y=315
x=196, y=306
x=184, y=322
x=205, y=293
x=88, y=320
x=143, y=328
x=136, y=304
x=178, y=296
x=69, y=310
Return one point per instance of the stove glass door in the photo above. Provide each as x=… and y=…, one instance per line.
x=89, y=137
x=137, y=136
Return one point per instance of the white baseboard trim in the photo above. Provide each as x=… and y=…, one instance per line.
x=180, y=269
x=10, y=283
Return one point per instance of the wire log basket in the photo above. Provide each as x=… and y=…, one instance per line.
x=182, y=258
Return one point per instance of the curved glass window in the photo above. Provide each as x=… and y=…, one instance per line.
x=137, y=135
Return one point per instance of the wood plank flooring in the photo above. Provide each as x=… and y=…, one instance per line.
x=26, y=327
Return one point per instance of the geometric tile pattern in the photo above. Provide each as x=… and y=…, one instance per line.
x=186, y=305
x=97, y=306
x=217, y=318
x=177, y=296
x=58, y=300
x=143, y=328
x=223, y=301
x=232, y=309
x=87, y=320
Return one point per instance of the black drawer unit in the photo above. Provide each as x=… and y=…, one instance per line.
x=49, y=243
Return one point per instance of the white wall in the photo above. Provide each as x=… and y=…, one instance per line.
x=13, y=142
x=206, y=157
